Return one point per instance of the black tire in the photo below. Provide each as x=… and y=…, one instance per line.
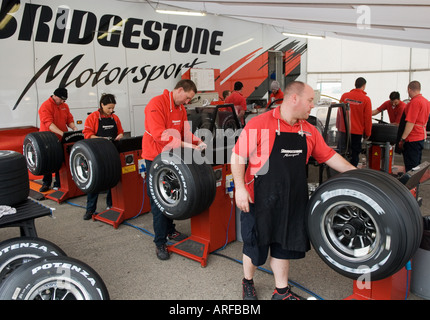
x=384, y=132
x=181, y=189
x=364, y=221
x=43, y=152
x=14, y=186
x=95, y=165
x=17, y=251
x=54, y=278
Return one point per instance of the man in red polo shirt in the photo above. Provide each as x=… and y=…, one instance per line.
x=413, y=136
x=360, y=117
x=55, y=116
x=269, y=169
x=394, y=107
x=238, y=100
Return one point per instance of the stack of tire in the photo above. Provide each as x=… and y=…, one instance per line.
x=34, y=268
x=364, y=222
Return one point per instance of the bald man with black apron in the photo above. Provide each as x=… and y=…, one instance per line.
x=272, y=189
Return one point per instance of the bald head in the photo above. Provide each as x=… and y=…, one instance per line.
x=294, y=87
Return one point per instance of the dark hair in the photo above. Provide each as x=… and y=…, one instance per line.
x=394, y=96
x=238, y=85
x=187, y=85
x=414, y=86
x=107, y=98
x=360, y=82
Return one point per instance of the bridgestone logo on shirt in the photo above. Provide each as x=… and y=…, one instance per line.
x=291, y=153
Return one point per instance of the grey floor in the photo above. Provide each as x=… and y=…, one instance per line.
x=126, y=260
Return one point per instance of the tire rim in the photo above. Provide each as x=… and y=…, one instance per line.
x=57, y=288
x=30, y=155
x=81, y=168
x=169, y=187
x=350, y=231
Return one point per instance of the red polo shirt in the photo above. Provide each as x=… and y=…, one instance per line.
x=256, y=141
x=394, y=112
x=237, y=99
x=417, y=111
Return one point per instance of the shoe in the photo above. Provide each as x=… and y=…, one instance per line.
x=176, y=236
x=162, y=252
x=288, y=295
x=43, y=188
x=248, y=290
x=88, y=215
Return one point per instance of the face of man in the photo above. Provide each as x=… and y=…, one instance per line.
x=183, y=97
x=395, y=102
x=305, y=103
x=58, y=100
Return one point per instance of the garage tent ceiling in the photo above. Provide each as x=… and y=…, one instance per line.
x=405, y=23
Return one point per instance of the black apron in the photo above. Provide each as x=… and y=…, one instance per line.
x=281, y=194
x=107, y=128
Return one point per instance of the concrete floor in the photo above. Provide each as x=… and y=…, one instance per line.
x=125, y=259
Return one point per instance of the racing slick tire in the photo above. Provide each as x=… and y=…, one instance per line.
x=14, y=187
x=384, y=132
x=181, y=189
x=364, y=222
x=17, y=251
x=54, y=278
x=43, y=152
x=95, y=165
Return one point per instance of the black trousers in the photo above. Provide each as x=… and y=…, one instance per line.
x=412, y=153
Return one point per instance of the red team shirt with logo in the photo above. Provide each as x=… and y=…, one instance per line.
x=256, y=141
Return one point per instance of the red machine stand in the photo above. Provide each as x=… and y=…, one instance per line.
x=68, y=187
x=129, y=197
x=380, y=156
x=214, y=227
x=395, y=287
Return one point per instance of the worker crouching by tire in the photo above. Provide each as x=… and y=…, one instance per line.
x=102, y=123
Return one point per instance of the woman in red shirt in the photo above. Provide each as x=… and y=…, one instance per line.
x=102, y=123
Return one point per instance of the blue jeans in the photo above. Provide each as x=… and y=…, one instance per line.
x=92, y=201
x=162, y=225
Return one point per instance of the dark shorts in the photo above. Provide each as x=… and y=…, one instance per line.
x=259, y=253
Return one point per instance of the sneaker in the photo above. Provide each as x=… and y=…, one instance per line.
x=288, y=295
x=88, y=215
x=176, y=236
x=162, y=252
x=248, y=290
x=43, y=188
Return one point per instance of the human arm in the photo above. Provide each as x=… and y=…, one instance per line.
x=242, y=196
x=55, y=129
x=72, y=126
x=338, y=163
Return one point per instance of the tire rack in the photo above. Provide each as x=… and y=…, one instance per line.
x=214, y=227
x=127, y=195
